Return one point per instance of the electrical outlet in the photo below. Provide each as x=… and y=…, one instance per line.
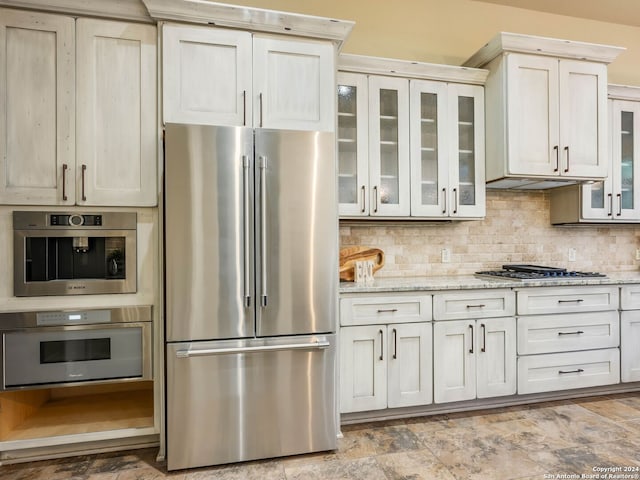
x=571, y=253
x=637, y=253
x=446, y=255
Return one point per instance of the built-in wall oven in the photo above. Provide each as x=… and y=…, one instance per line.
x=68, y=347
x=74, y=253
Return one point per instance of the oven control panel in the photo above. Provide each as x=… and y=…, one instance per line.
x=80, y=317
x=75, y=220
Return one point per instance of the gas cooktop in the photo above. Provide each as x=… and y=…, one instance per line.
x=536, y=272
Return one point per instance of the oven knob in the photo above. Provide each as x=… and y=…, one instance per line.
x=76, y=220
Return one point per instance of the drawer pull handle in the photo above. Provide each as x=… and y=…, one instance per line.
x=387, y=310
x=562, y=372
x=571, y=333
x=481, y=305
x=577, y=300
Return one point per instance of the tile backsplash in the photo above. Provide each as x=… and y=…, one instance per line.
x=516, y=230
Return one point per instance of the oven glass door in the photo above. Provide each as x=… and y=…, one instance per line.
x=43, y=356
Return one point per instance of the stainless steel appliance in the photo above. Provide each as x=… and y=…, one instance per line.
x=73, y=253
x=251, y=293
x=536, y=272
x=66, y=347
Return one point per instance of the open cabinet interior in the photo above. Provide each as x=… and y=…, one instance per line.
x=50, y=412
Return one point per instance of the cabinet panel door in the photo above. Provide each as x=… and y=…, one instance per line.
x=466, y=165
x=363, y=371
x=532, y=114
x=630, y=346
x=389, y=146
x=206, y=76
x=353, y=145
x=496, y=353
x=429, y=125
x=116, y=113
x=454, y=361
x=294, y=84
x=410, y=365
x=37, y=116
x=583, y=119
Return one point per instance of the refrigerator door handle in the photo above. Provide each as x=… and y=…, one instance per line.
x=246, y=233
x=262, y=165
x=319, y=345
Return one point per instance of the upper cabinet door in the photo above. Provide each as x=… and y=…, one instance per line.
x=37, y=117
x=116, y=114
x=353, y=151
x=625, y=138
x=294, y=84
x=206, y=75
x=532, y=115
x=466, y=167
x=429, y=148
x=389, y=146
x=583, y=122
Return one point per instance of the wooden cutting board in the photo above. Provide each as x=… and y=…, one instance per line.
x=350, y=255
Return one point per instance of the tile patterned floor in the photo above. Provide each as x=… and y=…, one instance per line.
x=565, y=439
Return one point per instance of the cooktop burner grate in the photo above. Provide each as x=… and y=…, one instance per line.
x=536, y=272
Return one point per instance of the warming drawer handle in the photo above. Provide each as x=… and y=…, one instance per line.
x=563, y=372
x=577, y=300
x=259, y=349
x=571, y=333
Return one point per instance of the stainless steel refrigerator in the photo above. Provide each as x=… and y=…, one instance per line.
x=251, y=245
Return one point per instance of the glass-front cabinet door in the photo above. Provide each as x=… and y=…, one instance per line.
x=429, y=152
x=466, y=165
x=353, y=156
x=389, y=146
x=447, y=150
x=617, y=198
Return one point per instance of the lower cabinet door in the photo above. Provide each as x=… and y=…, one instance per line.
x=560, y=371
x=363, y=368
x=630, y=346
x=454, y=361
x=496, y=357
x=409, y=365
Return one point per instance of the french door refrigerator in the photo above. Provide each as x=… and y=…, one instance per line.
x=251, y=246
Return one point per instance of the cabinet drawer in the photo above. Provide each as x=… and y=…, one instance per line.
x=630, y=297
x=543, y=300
x=473, y=304
x=573, y=331
x=560, y=371
x=368, y=310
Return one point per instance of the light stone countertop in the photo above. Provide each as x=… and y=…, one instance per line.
x=468, y=282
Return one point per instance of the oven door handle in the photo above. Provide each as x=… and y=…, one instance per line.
x=319, y=345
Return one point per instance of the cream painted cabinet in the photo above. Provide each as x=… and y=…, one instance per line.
x=557, y=117
x=630, y=333
x=410, y=147
x=385, y=366
x=79, y=112
x=474, y=358
x=116, y=120
x=447, y=149
x=546, y=104
x=617, y=198
x=229, y=77
x=37, y=108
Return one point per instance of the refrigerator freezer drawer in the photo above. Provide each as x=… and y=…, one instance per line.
x=237, y=400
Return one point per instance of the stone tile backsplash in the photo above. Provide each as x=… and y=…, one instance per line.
x=515, y=230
